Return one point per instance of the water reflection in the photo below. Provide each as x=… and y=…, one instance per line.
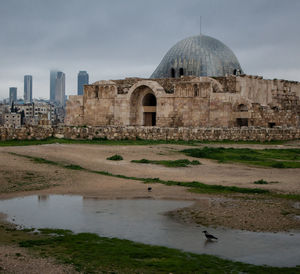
x=43, y=198
x=144, y=220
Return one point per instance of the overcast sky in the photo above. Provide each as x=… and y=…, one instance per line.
x=113, y=39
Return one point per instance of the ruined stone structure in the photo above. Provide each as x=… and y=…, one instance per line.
x=187, y=101
x=199, y=83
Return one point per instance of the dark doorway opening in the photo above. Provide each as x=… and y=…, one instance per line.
x=149, y=119
x=242, y=122
x=149, y=105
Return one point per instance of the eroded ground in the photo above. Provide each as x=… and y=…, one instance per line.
x=21, y=176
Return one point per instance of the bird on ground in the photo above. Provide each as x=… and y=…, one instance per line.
x=209, y=236
x=149, y=188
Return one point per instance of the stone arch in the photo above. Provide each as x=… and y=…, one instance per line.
x=143, y=98
x=242, y=108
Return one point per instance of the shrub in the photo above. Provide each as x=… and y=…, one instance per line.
x=260, y=182
x=115, y=157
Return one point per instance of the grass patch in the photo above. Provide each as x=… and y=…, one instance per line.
x=104, y=141
x=263, y=182
x=260, y=182
x=276, y=158
x=90, y=253
x=74, y=167
x=168, y=163
x=115, y=157
x=96, y=141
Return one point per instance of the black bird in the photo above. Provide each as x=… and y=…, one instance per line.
x=149, y=188
x=209, y=236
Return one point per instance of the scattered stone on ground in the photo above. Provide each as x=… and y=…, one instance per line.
x=14, y=259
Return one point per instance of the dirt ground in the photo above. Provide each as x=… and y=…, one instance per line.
x=20, y=176
x=210, y=172
x=14, y=259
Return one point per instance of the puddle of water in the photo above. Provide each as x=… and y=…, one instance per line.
x=143, y=220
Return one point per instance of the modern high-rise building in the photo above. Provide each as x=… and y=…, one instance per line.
x=27, y=88
x=53, y=75
x=82, y=79
x=12, y=95
x=60, y=88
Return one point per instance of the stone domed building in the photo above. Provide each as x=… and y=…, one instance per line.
x=199, y=83
x=199, y=55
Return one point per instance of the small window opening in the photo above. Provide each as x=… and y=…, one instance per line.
x=181, y=72
x=172, y=73
x=149, y=100
x=271, y=125
x=196, y=90
x=242, y=108
x=236, y=72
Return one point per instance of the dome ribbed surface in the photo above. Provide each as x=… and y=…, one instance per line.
x=198, y=56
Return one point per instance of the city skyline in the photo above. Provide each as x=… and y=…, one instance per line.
x=109, y=44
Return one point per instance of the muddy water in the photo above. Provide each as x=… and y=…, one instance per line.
x=144, y=220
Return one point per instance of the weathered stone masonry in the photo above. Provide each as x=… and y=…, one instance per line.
x=188, y=101
x=151, y=133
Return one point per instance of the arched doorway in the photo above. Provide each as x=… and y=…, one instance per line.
x=143, y=105
x=149, y=109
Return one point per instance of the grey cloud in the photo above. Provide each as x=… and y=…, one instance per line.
x=115, y=39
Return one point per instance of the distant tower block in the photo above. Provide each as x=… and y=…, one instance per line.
x=53, y=75
x=27, y=88
x=60, y=88
x=12, y=95
x=82, y=79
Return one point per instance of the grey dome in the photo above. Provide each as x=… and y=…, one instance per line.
x=199, y=56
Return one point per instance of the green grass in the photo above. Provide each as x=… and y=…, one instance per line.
x=95, y=141
x=74, y=167
x=90, y=253
x=263, y=182
x=260, y=182
x=276, y=158
x=104, y=141
x=168, y=163
x=115, y=157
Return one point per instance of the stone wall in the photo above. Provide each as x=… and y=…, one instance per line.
x=151, y=133
x=188, y=102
